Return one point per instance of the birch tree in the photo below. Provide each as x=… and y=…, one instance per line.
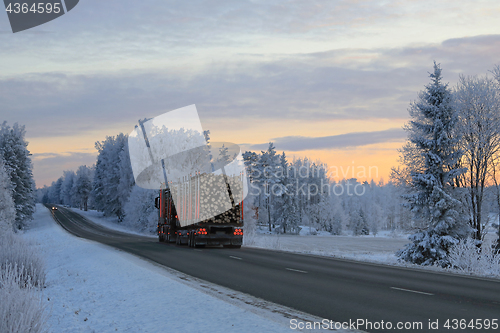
x=477, y=101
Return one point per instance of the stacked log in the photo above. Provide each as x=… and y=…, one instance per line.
x=208, y=197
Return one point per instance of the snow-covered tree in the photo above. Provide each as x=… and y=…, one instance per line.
x=358, y=222
x=328, y=215
x=108, y=198
x=82, y=187
x=7, y=209
x=268, y=168
x=432, y=136
x=285, y=206
x=140, y=211
x=54, y=193
x=67, y=188
x=126, y=176
x=17, y=164
x=477, y=101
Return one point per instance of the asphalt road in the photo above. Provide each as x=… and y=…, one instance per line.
x=338, y=290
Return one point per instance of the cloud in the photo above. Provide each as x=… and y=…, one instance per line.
x=339, y=84
x=342, y=141
x=48, y=167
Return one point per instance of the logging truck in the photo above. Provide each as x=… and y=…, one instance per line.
x=203, y=210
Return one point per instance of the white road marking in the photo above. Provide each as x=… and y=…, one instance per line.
x=198, y=250
x=296, y=270
x=413, y=291
x=235, y=258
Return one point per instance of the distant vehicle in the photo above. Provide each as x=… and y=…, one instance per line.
x=54, y=208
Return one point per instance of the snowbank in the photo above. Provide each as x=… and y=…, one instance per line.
x=109, y=222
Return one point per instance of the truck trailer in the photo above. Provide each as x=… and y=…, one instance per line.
x=203, y=210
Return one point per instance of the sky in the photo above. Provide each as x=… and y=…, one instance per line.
x=330, y=80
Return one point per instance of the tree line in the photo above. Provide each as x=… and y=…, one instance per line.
x=283, y=195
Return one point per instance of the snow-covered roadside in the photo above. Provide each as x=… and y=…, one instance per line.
x=371, y=249
x=94, y=288
x=108, y=222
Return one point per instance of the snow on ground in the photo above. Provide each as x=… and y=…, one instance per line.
x=93, y=288
x=380, y=249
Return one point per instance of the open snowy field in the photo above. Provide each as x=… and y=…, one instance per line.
x=94, y=288
x=373, y=249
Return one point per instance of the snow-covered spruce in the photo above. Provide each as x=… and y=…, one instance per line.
x=17, y=164
x=7, y=208
x=434, y=170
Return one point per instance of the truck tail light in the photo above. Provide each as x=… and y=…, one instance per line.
x=238, y=232
x=202, y=231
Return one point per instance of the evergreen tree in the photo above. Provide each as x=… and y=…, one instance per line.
x=7, y=209
x=363, y=228
x=82, y=188
x=269, y=167
x=67, y=187
x=126, y=176
x=17, y=164
x=431, y=135
x=358, y=222
x=107, y=196
x=55, y=191
x=286, y=209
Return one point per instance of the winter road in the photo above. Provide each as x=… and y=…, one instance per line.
x=339, y=290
